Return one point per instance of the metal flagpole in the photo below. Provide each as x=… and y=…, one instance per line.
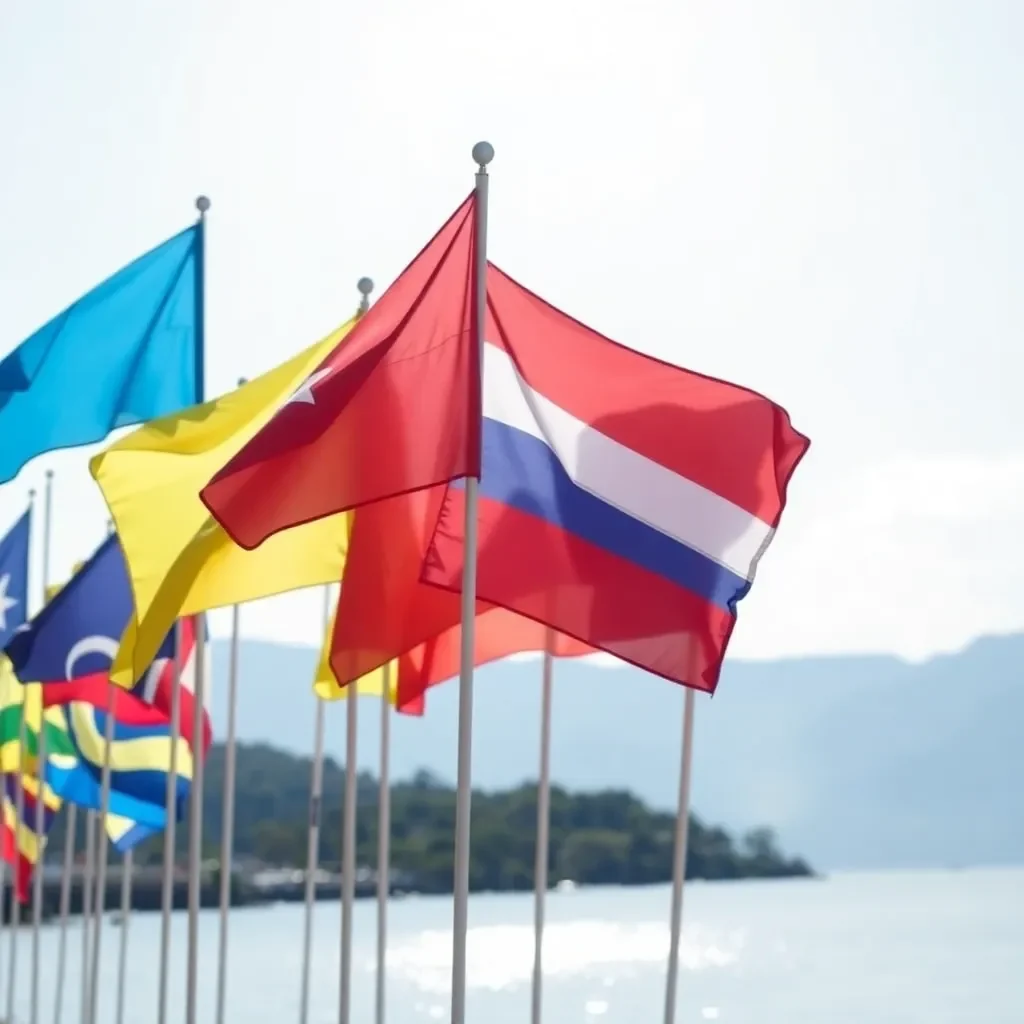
x=71, y=825
x=540, y=871
x=679, y=858
x=100, y=885
x=483, y=154
x=14, y=922
x=348, y=826
x=127, y=865
x=101, y=863
x=313, y=845
x=348, y=852
x=227, y=840
x=195, y=827
x=195, y=800
x=88, y=891
x=37, y=878
x=40, y=822
x=383, y=847
x=170, y=829
x=227, y=821
x=15, y=918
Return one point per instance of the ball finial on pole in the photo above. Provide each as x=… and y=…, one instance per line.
x=202, y=204
x=365, y=286
x=483, y=154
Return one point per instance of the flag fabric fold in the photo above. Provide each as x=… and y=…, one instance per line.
x=326, y=687
x=391, y=411
x=124, y=353
x=180, y=562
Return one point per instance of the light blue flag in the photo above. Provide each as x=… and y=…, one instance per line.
x=129, y=351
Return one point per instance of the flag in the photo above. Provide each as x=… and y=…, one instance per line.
x=392, y=410
x=645, y=494
x=67, y=778
x=68, y=774
x=623, y=502
x=21, y=845
x=20, y=842
x=72, y=642
x=14, y=577
x=179, y=560
x=126, y=352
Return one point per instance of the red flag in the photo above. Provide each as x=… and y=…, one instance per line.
x=623, y=501
x=394, y=409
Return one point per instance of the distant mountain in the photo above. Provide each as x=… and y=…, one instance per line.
x=857, y=762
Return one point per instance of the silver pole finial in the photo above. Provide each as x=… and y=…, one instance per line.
x=202, y=204
x=365, y=286
x=483, y=154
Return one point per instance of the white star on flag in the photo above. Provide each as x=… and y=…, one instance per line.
x=6, y=603
x=304, y=393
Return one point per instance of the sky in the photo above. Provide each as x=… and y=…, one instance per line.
x=821, y=201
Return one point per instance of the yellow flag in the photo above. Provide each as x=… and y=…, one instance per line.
x=326, y=687
x=180, y=561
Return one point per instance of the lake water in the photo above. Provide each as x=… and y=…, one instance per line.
x=899, y=948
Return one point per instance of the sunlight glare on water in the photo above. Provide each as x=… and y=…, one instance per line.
x=944, y=947
x=501, y=956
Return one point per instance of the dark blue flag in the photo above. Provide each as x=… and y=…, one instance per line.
x=14, y=578
x=71, y=644
x=77, y=634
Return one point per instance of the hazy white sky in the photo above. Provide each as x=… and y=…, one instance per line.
x=818, y=200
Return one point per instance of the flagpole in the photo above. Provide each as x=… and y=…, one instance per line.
x=195, y=800
x=88, y=891
x=14, y=922
x=195, y=827
x=227, y=821
x=15, y=916
x=483, y=154
x=316, y=786
x=227, y=831
x=383, y=847
x=71, y=826
x=540, y=870
x=100, y=885
x=101, y=861
x=348, y=852
x=348, y=826
x=170, y=829
x=682, y=832
x=127, y=864
x=40, y=822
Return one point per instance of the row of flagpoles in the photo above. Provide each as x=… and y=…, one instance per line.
x=716, y=577
x=93, y=910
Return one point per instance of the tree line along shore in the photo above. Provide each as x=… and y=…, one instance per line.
x=609, y=837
